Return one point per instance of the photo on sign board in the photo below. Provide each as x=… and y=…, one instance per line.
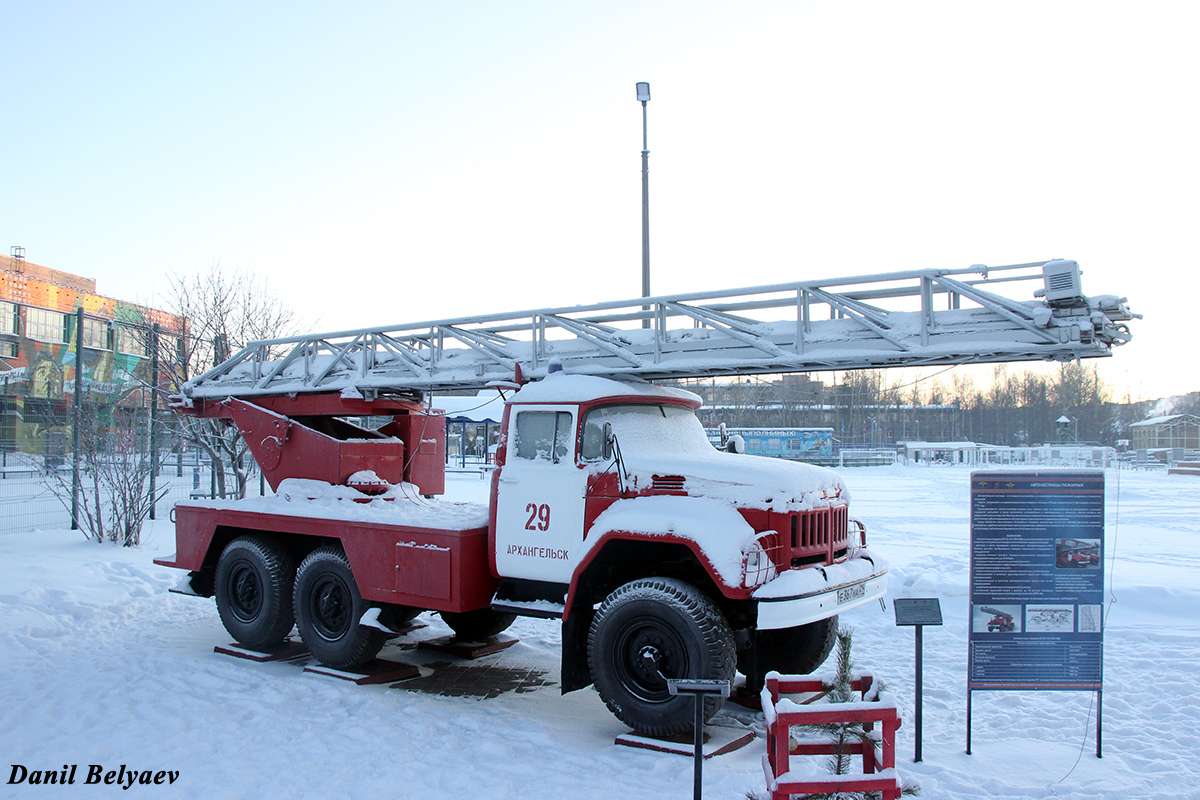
x=1050, y=619
x=996, y=619
x=1077, y=553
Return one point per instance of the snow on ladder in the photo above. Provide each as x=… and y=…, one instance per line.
x=869, y=321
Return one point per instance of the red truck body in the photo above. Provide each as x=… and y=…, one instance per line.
x=668, y=557
x=430, y=568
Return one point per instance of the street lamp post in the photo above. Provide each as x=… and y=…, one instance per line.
x=643, y=96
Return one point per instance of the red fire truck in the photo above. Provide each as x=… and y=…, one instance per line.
x=1001, y=621
x=662, y=556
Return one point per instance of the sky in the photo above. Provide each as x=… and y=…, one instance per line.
x=379, y=163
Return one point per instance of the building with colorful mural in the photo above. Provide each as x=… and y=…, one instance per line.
x=39, y=337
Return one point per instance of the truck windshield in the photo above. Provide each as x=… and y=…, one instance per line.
x=644, y=428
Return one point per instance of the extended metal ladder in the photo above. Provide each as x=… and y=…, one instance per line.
x=869, y=321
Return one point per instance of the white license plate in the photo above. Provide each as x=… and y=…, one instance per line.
x=845, y=595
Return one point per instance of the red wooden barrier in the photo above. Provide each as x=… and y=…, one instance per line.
x=878, y=775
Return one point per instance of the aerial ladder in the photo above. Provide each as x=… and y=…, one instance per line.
x=911, y=319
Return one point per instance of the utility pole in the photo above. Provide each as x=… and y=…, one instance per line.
x=643, y=96
x=153, y=419
x=77, y=418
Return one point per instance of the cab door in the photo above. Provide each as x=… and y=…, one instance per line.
x=540, y=496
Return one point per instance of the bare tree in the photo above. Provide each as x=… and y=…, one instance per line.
x=1185, y=404
x=225, y=310
x=1033, y=396
x=115, y=495
x=1081, y=394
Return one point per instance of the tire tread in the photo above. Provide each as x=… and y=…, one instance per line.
x=362, y=643
x=280, y=569
x=716, y=639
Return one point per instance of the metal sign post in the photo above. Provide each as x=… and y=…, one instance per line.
x=918, y=612
x=698, y=689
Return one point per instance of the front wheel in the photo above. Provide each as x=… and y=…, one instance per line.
x=647, y=632
x=328, y=608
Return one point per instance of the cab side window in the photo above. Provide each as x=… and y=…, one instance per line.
x=543, y=435
x=593, y=435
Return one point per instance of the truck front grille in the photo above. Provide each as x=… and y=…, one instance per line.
x=819, y=536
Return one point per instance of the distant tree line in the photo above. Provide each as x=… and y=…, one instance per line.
x=1070, y=402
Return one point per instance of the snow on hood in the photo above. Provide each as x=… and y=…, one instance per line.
x=676, y=444
x=748, y=481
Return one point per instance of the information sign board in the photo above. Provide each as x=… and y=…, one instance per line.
x=1037, y=583
x=917, y=611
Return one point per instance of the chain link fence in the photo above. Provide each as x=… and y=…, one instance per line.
x=31, y=497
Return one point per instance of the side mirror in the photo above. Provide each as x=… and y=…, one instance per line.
x=736, y=444
x=608, y=441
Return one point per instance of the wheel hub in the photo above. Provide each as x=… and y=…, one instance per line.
x=651, y=662
x=246, y=594
x=329, y=604
x=330, y=609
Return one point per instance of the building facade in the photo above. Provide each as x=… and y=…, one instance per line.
x=1176, y=431
x=39, y=337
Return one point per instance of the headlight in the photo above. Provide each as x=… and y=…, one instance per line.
x=757, y=566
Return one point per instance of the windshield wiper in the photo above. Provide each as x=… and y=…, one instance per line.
x=612, y=449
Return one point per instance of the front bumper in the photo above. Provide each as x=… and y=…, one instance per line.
x=800, y=596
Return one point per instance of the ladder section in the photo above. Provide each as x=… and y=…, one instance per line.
x=913, y=318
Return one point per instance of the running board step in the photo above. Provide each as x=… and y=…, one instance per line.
x=541, y=609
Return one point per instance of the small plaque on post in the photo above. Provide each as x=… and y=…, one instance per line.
x=918, y=611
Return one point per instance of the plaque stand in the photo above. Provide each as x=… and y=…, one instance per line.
x=919, y=612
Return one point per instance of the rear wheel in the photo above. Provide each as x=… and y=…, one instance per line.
x=647, y=632
x=328, y=608
x=482, y=623
x=796, y=651
x=253, y=587
x=395, y=617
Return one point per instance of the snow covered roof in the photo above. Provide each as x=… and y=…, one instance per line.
x=1161, y=420
x=559, y=387
x=920, y=445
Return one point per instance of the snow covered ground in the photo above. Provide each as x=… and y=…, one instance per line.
x=100, y=665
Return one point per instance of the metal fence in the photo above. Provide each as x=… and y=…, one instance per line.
x=28, y=500
x=867, y=457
